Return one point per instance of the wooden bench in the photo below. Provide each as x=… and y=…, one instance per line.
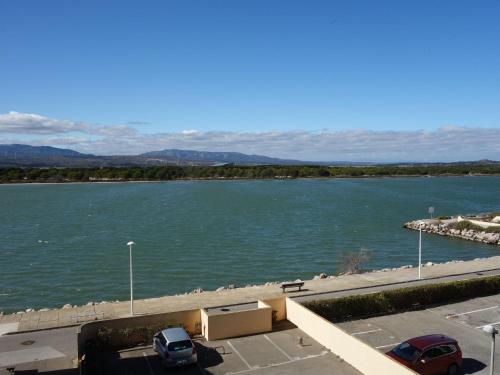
x=292, y=285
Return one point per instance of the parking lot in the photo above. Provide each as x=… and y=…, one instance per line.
x=462, y=321
x=288, y=351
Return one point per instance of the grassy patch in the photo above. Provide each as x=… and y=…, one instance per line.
x=404, y=299
x=467, y=225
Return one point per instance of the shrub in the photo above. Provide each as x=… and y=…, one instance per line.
x=493, y=229
x=404, y=299
x=467, y=225
x=352, y=261
x=128, y=337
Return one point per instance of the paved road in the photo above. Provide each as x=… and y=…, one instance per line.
x=64, y=317
x=397, y=285
x=45, y=351
x=462, y=321
x=278, y=352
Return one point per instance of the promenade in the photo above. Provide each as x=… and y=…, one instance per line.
x=313, y=289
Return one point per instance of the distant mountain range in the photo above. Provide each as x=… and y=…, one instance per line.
x=205, y=157
x=17, y=155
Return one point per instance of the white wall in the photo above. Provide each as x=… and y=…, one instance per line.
x=358, y=354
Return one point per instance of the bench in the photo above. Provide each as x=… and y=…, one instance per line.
x=292, y=285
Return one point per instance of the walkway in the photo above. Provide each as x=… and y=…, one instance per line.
x=313, y=289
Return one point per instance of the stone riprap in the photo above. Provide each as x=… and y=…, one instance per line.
x=74, y=315
x=450, y=227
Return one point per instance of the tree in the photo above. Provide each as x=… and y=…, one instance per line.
x=352, y=261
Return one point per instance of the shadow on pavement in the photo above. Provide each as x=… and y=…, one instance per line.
x=471, y=365
x=73, y=371
x=144, y=362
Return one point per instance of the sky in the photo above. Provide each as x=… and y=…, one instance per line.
x=312, y=80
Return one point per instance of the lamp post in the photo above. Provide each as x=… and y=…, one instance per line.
x=129, y=244
x=420, y=252
x=492, y=331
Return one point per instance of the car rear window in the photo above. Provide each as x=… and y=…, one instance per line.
x=406, y=351
x=179, y=345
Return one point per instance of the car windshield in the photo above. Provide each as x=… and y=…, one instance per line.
x=406, y=351
x=179, y=345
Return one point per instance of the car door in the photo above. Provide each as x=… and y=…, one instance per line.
x=430, y=363
x=159, y=343
x=156, y=342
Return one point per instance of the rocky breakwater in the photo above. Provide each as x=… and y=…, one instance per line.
x=483, y=228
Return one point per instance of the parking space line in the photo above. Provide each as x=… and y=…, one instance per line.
x=279, y=364
x=386, y=346
x=239, y=355
x=149, y=364
x=489, y=324
x=277, y=347
x=363, y=332
x=471, y=312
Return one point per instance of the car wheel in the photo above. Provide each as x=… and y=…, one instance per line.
x=453, y=369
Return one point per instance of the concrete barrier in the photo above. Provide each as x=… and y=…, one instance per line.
x=358, y=354
x=189, y=319
x=222, y=325
x=279, y=308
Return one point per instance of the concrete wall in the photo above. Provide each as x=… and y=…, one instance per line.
x=237, y=323
x=189, y=319
x=360, y=355
x=279, y=307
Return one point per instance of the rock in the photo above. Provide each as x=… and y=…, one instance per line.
x=220, y=289
x=428, y=264
x=67, y=306
x=322, y=276
x=29, y=310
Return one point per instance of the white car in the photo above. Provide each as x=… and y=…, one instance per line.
x=175, y=347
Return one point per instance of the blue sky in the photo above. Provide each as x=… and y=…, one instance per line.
x=232, y=75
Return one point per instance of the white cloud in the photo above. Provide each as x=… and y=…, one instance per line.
x=189, y=131
x=28, y=123
x=448, y=143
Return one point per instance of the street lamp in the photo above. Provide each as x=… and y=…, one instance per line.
x=492, y=331
x=129, y=244
x=420, y=251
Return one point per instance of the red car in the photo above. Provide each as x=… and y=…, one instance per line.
x=429, y=355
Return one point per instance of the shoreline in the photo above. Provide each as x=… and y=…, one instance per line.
x=445, y=175
x=470, y=231
x=242, y=288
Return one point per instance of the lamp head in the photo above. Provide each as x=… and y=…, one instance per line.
x=490, y=329
x=130, y=243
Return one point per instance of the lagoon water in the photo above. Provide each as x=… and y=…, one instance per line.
x=67, y=243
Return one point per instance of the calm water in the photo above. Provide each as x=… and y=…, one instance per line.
x=67, y=243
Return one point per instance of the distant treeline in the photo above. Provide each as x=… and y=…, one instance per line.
x=165, y=173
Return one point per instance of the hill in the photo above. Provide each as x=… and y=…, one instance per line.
x=208, y=157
